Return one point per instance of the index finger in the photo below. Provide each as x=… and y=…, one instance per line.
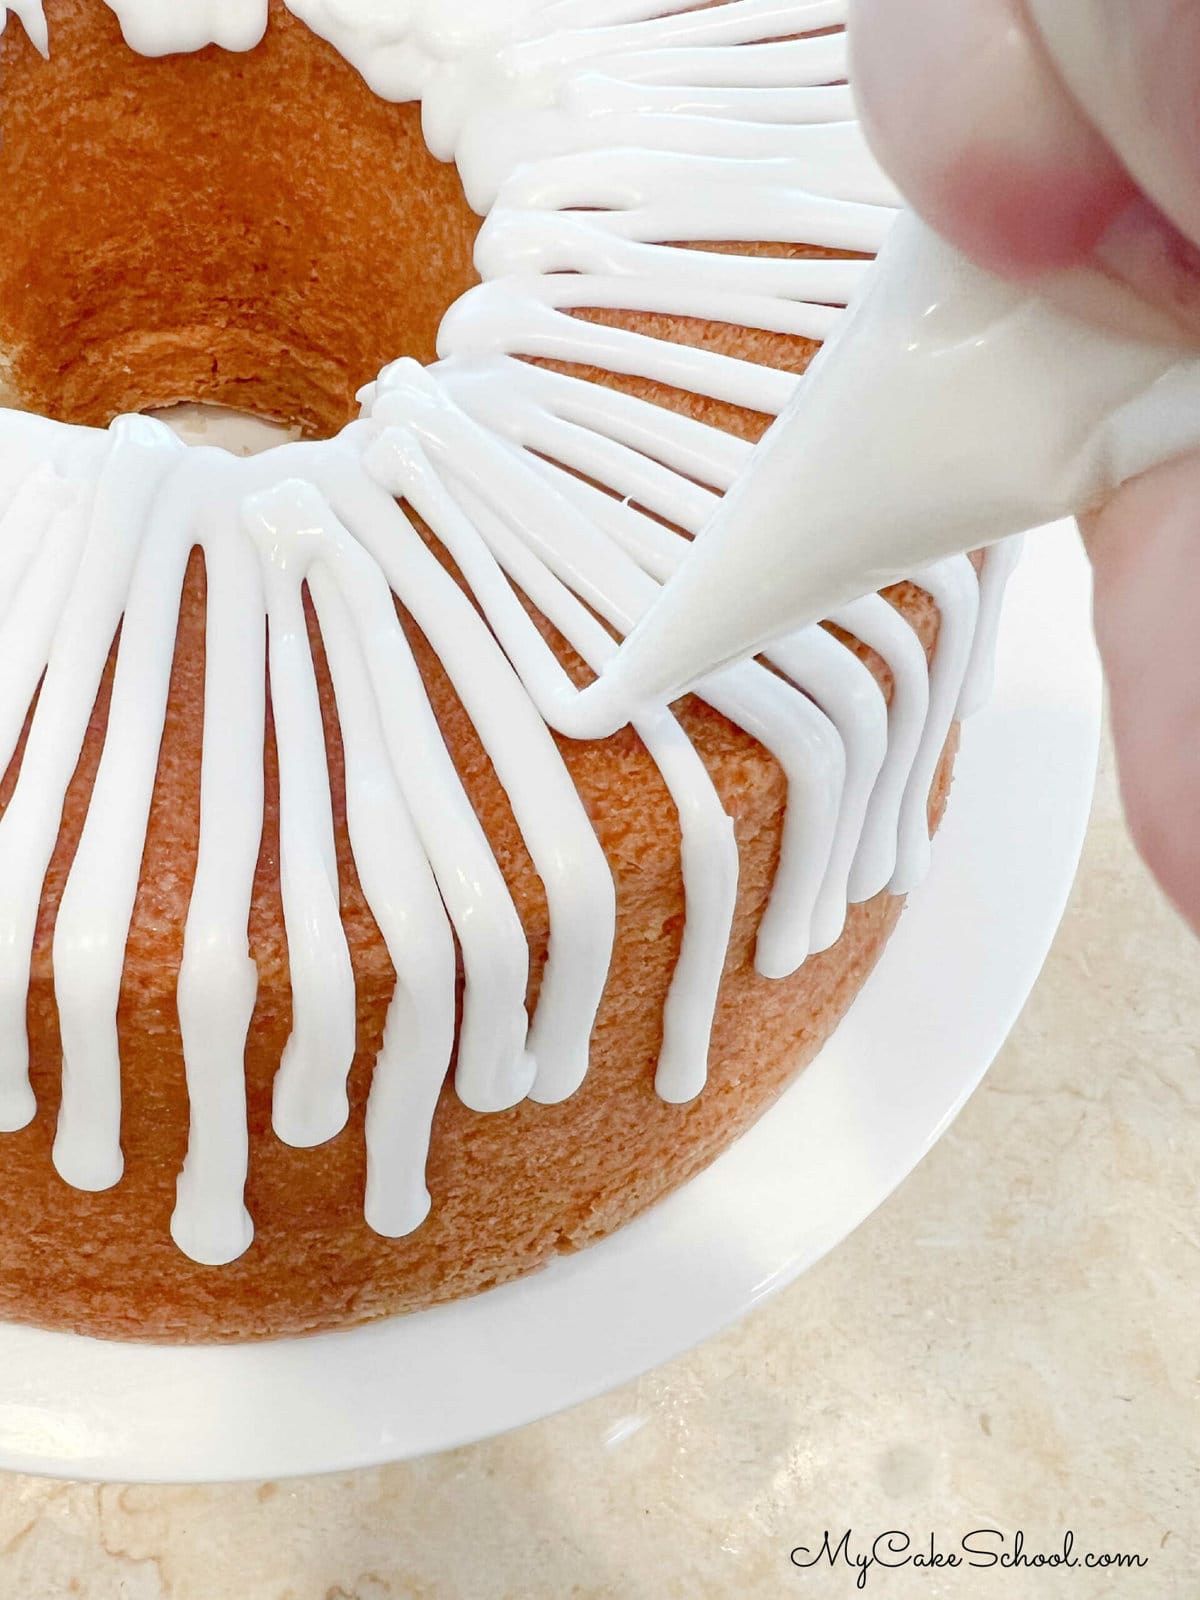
x=967, y=108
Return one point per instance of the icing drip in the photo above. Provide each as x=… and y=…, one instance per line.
x=589, y=131
x=153, y=28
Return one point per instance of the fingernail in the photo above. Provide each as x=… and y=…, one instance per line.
x=1143, y=251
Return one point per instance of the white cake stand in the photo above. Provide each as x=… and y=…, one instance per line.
x=914, y=1046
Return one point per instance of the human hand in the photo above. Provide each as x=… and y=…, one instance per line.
x=1057, y=142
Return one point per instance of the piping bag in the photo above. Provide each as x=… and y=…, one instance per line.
x=950, y=410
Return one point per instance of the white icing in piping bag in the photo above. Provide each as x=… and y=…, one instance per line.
x=951, y=410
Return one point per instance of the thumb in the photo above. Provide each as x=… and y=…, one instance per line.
x=1145, y=550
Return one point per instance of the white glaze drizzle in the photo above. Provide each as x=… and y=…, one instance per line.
x=589, y=131
x=155, y=28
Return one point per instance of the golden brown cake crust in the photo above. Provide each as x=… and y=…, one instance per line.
x=215, y=227
x=150, y=252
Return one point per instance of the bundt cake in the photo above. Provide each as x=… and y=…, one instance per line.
x=333, y=982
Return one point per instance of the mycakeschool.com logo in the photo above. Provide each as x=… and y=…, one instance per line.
x=981, y=1549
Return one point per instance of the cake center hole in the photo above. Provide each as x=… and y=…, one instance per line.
x=240, y=432
x=257, y=232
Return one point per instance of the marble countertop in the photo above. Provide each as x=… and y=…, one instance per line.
x=1011, y=1343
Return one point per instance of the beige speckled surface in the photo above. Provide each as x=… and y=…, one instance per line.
x=1013, y=1342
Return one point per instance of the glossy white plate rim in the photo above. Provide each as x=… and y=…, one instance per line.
x=913, y=1047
